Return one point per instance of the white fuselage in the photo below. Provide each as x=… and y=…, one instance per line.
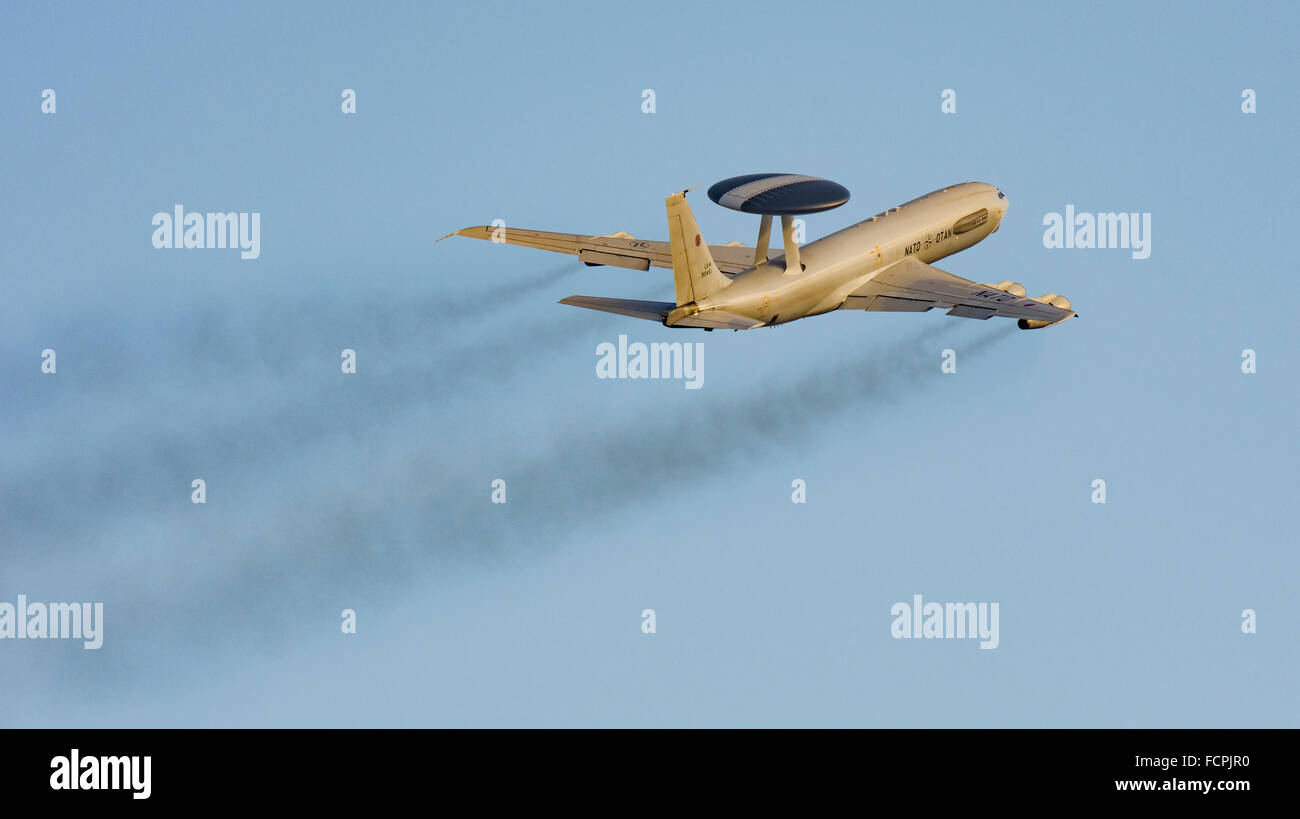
x=930, y=227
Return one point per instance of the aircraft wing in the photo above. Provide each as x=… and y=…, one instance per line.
x=617, y=249
x=911, y=285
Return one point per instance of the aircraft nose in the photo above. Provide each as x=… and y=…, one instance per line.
x=999, y=209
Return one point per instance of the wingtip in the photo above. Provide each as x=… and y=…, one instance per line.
x=449, y=235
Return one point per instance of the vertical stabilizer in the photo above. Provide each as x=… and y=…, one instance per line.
x=695, y=275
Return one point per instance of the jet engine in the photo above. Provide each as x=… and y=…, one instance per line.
x=1053, y=299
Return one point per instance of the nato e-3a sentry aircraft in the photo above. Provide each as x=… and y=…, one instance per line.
x=883, y=263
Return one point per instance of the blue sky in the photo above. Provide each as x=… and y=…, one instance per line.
x=370, y=491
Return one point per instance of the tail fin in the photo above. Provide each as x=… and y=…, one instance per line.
x=694, y=273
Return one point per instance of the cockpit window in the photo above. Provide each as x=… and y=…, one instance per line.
x=1001, y=195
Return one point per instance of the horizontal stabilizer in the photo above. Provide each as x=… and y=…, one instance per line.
x=650, y=310
x=717, y=320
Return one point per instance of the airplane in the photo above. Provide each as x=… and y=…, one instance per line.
x=880, y=264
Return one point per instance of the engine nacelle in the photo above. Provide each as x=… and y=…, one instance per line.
x=1014, y=288
x=1053, y=299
